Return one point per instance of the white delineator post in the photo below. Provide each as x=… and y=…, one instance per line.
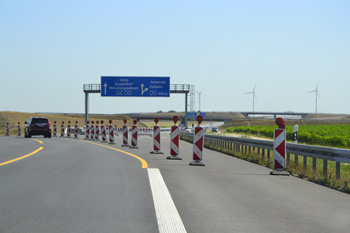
x=125, y=134
x=62, y=130
x=134, y=133
x=76, y=130
x=19, y=129
x=156, y=138
x=97, y=131
x=111, y=133
x=7, y=130
x=279, y=148
x=174, y=140
x=54, y=129
x=103, y=132
x=92, y=131
x=198, y=143
x=69, y=130
x=295, y=134
x=87, y=131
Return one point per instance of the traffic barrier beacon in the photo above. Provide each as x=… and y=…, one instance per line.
x=156, y=138
x=62, y=130
x=92, y=131
x=125, y=134
x=174, y=140
x=198, y=143
x=97, y=131
x=19, y=129
x=279, y=148
x=111, y=133
x=87, y=131
x=7, y=130
x=69, y=128
x=54, y=129
x=103, y=132
x=76, y=130
x=134, y=133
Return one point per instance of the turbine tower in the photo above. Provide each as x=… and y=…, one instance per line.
x=254, y=96
x=199, y=97
x=316, y=95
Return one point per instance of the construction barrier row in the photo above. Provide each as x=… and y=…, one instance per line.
x=93, y=132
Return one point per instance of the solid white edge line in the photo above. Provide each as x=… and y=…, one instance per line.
x=169, y=220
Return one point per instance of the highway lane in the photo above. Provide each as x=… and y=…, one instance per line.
x=75, y=186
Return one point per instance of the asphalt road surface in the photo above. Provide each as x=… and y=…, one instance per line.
x=65, y=185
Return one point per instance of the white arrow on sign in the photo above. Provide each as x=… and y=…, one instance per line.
x=105, y=88
x=143, y=90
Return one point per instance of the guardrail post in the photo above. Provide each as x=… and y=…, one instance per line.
x=296, y=159
x=314, y=163
x=337, y=170
x=250, y=149
x=288, y=158
x=305, y=162
x=325, y=167
x=258, y=151
x=268, y=154
x=245, y=149
x=263, y=153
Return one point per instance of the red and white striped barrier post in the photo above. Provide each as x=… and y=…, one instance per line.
x=156, y=138
x=62, y=130
x=198, y=143
x=125, y=134
x=92, y=131
x=7, y=130
x=97, y=131
x=87, y=131
x=174, y=140
x=134, y=134
x=19, y=129
x=279, y=148
x=76, y=130
x=103, y=132
x=54, y=129
x=111, y=133
x=69, y=128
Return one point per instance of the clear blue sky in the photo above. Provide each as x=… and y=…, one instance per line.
x=49, y=49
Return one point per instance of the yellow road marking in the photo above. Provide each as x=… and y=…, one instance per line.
x=25, y=156
x=143, y=162
x=38, y=141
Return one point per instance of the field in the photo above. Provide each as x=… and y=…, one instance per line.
x=325, y=135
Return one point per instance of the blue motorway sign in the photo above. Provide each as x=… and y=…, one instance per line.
x=125, y=86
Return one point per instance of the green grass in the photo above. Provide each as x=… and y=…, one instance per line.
x=325, y=135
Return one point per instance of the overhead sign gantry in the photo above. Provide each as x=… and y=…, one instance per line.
x=136, y=86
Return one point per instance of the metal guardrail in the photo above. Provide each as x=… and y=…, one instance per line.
x=245, y=145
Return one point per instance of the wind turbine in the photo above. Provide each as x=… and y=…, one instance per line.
x=199, y=95
x=254, y=96
x=317, y=95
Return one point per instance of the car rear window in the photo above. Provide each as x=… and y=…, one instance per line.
x=40, y=120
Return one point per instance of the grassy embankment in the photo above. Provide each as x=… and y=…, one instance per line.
x=14, y=117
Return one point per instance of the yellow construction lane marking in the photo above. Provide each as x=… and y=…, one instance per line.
x=38, y=141
x=25, y=156
x=143, y=162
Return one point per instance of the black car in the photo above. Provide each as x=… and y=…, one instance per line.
x=38, y=126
